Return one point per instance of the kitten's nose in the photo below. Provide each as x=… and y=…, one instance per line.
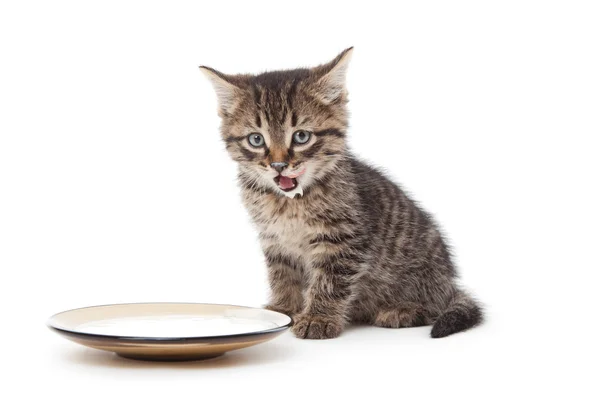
x=279, y=166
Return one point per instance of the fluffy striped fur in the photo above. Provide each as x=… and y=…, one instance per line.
x=347, y=244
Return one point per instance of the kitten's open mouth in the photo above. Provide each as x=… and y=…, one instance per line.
x=285, y=183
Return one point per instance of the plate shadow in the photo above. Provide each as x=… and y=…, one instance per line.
x=264, y=354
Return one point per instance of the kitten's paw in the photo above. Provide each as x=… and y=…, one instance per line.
x=402, y=317
x=308, y=326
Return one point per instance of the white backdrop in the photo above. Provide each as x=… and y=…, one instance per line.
x=115, y=187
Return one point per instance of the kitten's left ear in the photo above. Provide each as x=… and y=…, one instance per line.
x=332, y=83
x=224, y=87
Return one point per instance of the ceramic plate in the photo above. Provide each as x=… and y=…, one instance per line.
x=169, y=331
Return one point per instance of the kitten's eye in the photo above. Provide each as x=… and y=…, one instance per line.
x=256, y=139
x=301, y=137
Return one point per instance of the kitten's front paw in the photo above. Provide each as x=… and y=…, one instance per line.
x=308, y=326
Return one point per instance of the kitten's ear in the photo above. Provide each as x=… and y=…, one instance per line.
x=332, y=83
x=224, y=87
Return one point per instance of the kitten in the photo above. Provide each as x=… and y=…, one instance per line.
x=342, y=242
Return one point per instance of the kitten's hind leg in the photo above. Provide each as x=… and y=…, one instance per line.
x=404, y=316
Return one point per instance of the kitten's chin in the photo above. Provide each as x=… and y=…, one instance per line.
x=292, y=193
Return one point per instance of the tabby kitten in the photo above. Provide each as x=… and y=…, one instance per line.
x=342, y=242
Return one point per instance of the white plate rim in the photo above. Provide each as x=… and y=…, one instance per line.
x=145, y=339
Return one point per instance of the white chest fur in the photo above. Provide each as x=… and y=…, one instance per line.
x=288, y=229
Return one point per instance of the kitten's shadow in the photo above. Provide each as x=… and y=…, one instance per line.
x=263, y=354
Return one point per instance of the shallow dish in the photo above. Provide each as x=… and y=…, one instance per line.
x=169, y=331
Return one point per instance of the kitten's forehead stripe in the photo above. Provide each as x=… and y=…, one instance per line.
x=257, y=96
x=290, y=97
x=294, y=119
x=267, y=106
x=283, y=116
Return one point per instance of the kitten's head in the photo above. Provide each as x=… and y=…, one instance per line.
x=286, y=129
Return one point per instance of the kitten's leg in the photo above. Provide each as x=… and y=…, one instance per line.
x=333, y=276
x=286, y=281
x=404, y=316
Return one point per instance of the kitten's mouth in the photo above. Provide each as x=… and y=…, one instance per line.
x=285, y=183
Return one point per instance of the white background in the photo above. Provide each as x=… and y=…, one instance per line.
x=115, y=187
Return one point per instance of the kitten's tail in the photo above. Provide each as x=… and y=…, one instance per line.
x=462, y=313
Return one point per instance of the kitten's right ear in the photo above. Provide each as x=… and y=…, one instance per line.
x=332, y=82
x=225, y=89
